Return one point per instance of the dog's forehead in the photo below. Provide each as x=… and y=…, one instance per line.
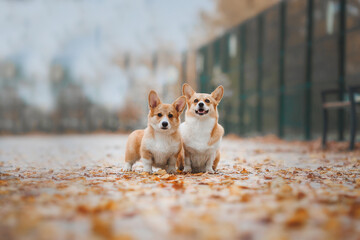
x=204, y=95
x=201, y=95
x=165, y=108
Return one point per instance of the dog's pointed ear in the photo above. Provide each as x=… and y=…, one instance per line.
x=218, y=93
x=187, y=91
x=179, y=104
x=154, y=99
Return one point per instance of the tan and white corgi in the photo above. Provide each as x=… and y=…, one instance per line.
x=160, y=143
x=201, y=132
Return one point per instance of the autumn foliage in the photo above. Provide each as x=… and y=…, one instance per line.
x=265, y=188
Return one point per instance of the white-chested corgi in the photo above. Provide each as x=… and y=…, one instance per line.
x=160, y=143
x=201, y=132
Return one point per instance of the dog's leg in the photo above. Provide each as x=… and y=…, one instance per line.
x=216, y=161
x=171, y=166
x=128, y=166
x=132, y=153
x=180, y=159
x=187, y=168
x=147, y=165
x=146, y=158
x=130, y=160
x=209, y=165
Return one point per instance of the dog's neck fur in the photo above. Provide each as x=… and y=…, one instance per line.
x=206, y=124
x=197, y=131
x=167, y=133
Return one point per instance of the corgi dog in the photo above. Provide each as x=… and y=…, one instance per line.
x=201, y=132
x=160, y=144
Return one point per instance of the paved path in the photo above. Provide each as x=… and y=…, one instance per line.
x=72, y=187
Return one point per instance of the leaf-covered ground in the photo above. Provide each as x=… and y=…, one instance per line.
x=72, y=187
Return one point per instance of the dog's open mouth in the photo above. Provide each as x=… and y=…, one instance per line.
x=201, y=111
x=164, y=128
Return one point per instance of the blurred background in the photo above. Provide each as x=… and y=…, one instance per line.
x=77, y=66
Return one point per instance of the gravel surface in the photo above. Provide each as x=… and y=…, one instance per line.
x=72, y=187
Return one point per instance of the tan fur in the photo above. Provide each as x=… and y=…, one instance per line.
x=154, y=142
x=180, y=159
x=217, y=131
x=133, y=145
x=217, y=159
x=214, y=98
x=216, y=134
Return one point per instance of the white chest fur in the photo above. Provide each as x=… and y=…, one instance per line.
x=197, y=133
x=162, y=147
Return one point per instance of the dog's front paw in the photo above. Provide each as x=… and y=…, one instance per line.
x=210, y=170
x=187, y=169
x=148, y=170
x=127, y=167
x=171, y=170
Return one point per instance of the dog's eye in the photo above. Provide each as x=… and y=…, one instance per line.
x=170, y=115
x=196, y=100
x=207, y=100
x=159, y=115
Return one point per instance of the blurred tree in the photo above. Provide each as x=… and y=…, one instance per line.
x=229, y=13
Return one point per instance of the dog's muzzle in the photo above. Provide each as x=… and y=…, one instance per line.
x=201, y=109
x=164, y=125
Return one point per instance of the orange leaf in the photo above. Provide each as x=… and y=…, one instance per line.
x=298, y=219
x=178, y=185
x=244, y=171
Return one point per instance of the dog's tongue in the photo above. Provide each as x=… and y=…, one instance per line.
x=201, y=110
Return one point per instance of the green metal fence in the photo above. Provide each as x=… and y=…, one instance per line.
x=277, y=63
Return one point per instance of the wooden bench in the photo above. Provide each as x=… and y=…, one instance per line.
x=351, y=99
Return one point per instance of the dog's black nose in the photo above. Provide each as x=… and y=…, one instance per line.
x=201, y=104
x=164, y=124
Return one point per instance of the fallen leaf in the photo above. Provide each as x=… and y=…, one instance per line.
x=298, y=218
x=168, y=177
x=178, y=185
